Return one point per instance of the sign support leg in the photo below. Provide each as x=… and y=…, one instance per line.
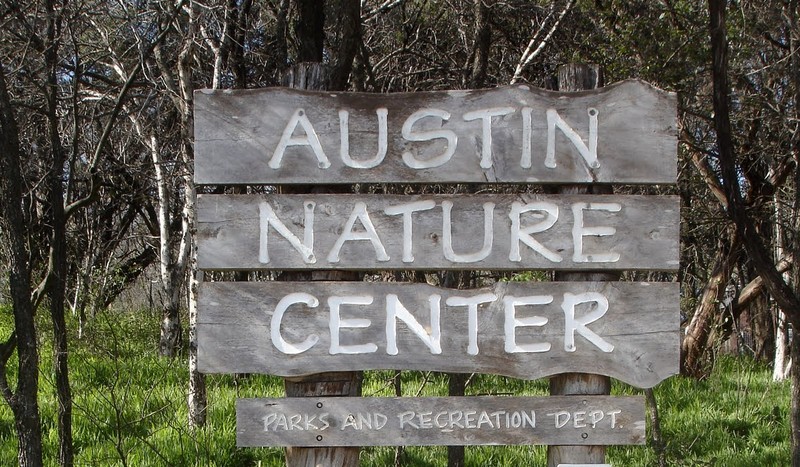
x=577, y=77
x=315, y=76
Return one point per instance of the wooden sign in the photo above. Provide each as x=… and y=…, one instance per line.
x=629, y=331
x=490, y=232
x=418, y=421
x=624, y=133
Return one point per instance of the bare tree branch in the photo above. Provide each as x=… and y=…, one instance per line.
x=112, y=120
x=531, y=53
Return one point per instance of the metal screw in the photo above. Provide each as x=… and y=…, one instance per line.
x=319, y=437
x=319, y=405
x=584, y=435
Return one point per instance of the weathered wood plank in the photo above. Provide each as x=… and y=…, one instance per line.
x=525, y=231
x=431, y=421
x=280, y=136
x=629, y=331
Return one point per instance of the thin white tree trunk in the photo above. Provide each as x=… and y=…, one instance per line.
x=196, y=399
x=172, y=267
x=780, y=369
x=171, y=271
x=530, y=53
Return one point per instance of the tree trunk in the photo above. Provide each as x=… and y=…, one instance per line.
x=480, y=48
x=779, y=367
x=29, y=432
x=707, y=313
x=760, y=257
x=783, y=294
x=762, y=330
x=795, y=410
x=655, y=427
x=794, y=361
x=456, y=382
x=574, y=77
x=170, y=340
x=197, y=399
x=345, y=384
x=173, y=265
x=197, y=395
x=23, y=401
x=310, y=34
x=57, y=296
x=349, y=23
x=57, y=267
x=309, y=30
x=573, y=384
x=399, y=451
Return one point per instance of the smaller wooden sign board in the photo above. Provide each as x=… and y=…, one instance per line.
x=432, y=421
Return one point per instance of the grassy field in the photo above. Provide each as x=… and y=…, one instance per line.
x=129, y=409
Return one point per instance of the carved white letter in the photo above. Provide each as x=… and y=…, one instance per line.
x=472, y=315
x=406, y=210
x=452, y=139
x=525, y=160
x=523, y=235
x=589, y=153
x=512, y=322
x=383, y=140
x=572, y=324
x=275, y=324
x=486, y=116
x=359, y=213
x=310, y=139
x=336, y=323
x=395, y=310
x=267, y=217
x=447, y=235
x=579, y=231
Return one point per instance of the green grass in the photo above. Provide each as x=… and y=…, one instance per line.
x=129, y=409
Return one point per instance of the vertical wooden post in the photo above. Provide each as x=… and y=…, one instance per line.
x=316, y=76
x=578, y=77
x=456, y=387
x=456, y=382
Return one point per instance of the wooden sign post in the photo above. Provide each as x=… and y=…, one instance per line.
x=574, y=78
x=315, y=76
x=530, y=330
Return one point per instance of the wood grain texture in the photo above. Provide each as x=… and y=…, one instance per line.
x=641, y=323
x=645, y=232
x=430, y=421
x=237, y=133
